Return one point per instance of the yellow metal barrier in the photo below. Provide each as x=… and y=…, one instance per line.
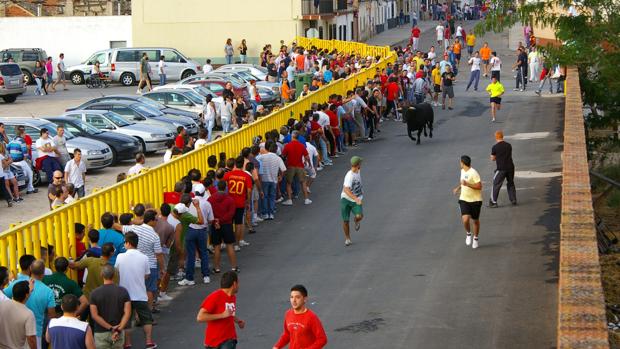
x=57, y=228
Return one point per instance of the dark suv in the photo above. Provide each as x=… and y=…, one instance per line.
x=26, y=58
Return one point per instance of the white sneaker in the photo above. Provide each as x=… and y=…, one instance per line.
x=468, y=240
x=288, y=202
x=309, y=192
x=186, y=282
x=243, y=243
x=279, y=200
x=255, y=223
x=258, y=219
x=206, y=280
x=347, y=242
x=181, y=274
x=320, y=168
x=211, y=249
x=475, y=244
x=163, y=296
x=271, y=217
x=307, y=202
x=237, y=248
x=223, y=246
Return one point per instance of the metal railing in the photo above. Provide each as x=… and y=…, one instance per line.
x=56, y=228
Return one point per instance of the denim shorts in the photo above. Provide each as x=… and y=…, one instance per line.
x=151, y=280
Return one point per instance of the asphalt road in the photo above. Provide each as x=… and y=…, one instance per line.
x=409, y=281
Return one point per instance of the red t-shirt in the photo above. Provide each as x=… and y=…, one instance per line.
x=415, y=32
x=294, y=152
x=238, y=184
x=28, y=141
x=300, y=60
x=302, y=331
x=333, y=122
x=221, y=330
x=179, y=142
x=392, y=91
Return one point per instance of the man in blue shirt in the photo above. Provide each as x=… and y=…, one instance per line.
x=18, y=150
x=107, y=234
x=41, y=301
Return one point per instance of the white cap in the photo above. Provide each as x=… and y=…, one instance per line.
x=181, y=208
x=198, y=188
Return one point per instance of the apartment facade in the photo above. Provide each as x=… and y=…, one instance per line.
x=200, y=28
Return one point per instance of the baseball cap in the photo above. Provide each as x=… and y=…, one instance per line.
x=198, y=188
x=356, y=160
x=181, y=208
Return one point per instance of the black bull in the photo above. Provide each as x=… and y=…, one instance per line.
x=418, y=117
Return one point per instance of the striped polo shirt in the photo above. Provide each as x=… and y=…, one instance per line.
x=148, y=241
x=67, y=333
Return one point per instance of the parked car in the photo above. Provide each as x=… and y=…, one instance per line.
x=254, y=69
x=245, y=76
x=22, y=180
x=123, y=147
x=137, y=98
x=269, y=91
x=185, y=99
x=26, y=58
x=123, y=64
x=151, y=138
x=142, y=113
x=217, y=85
x=11, y=82
x=96, y=154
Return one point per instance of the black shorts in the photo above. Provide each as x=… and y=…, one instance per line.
x=225, y=234
x=496, y=100
x=239, y=213
x=141, y=309
x=458, y=56
x=470, y=209
x=495, y=74
x=437, y=88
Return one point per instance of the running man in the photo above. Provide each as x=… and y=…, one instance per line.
x=495, y=90
x=351, y=198
x=485, y=55
x=302, y=328
x=470, y=199
x=501, y=153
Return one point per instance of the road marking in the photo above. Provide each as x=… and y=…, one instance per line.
x=529, y=135
x=534, y=174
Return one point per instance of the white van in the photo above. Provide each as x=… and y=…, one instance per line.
x=123, y=64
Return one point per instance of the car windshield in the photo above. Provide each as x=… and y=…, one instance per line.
x=194, y=96
x=52, y=130
x=202, y=91
x=117, y=119
x=247, y=75
x=261, y=69
x=151, y=103
x=92, y=130
x=147, y=111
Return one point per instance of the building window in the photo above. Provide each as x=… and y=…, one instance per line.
x=117, y=44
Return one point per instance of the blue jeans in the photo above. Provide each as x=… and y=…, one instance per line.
x=162, y=79
x=254, y=106
x=196, y=238
x=81, y=192
x=210, y=125
x=37, y=90
x=474, y=77
x=49, y=165
x=226, y=125
x=324, y=152
x=228, y=59
x=268, y=202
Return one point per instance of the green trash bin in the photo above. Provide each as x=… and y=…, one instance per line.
x=300, y=80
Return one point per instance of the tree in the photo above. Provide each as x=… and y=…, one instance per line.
x=589, y=40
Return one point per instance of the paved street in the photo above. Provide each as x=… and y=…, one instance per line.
x=409, y=281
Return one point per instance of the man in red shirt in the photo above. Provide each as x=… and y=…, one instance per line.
x=179, y=142
x=223, y=211
x=297, y=157
x=219, y=311
x=302, y=328
x=391, y=97
x=415, y=36
x=240, y=189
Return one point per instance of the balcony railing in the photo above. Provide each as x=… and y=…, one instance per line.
x=323, y=7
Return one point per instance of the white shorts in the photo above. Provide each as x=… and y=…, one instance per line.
x=7, y=175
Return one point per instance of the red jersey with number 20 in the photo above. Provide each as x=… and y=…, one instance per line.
x=238, y=184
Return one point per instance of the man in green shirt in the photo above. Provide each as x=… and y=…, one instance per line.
x=94, y=266
x=144, y=73
x=61, y=285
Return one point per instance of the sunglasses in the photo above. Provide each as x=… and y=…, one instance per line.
x=57, y=177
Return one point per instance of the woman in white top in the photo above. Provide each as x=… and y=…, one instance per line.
x=432, y=55
x=202, y=139
x=475, y=71
x=209, y=116
x=168, y=153
x=226, y=114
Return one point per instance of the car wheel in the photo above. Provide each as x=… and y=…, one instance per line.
x=36, y=178
x=187, y=74
x=114, y=157
x=142, y=145
x=10, y=98
x=128, y=79
x=77, y=78
x=28, y=79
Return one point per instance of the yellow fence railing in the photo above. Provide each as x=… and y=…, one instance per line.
x=56, y=228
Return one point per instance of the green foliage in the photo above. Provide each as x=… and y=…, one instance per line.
x=590, y=42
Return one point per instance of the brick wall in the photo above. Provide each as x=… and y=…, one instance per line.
x=581, y=306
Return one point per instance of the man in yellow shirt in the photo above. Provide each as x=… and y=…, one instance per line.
x=436, y=78
x=495, y=90
x=470, y=200
x=471, y=42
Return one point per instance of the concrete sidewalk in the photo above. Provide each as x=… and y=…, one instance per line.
x=398, y=35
